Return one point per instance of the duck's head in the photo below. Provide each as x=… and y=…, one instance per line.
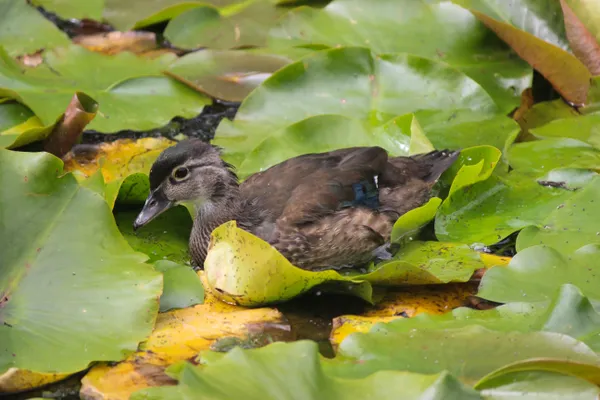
x=190, y=172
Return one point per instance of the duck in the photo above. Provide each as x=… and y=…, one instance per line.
x=333, y=209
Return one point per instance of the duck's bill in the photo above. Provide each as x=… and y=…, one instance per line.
x=154, y=206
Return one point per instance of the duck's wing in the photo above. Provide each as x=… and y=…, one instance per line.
x=307, y=187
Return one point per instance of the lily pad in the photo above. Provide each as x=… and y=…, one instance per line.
x=243, y=269
x=488, y=211
x=572, y=225
x=410, y=223
x=541, y=19
x=541, y=156
x=437, y=30
x=41, y=33
x=459, y=351
x=89, y=9
x=18, y=121
x=124, y=165
x=226, y=75
x=51, y=228
x=256, y=374
x=351, y=82
x=330, y=132
x=585, y=128
x=182, y=287
x=179, y=335
x=164, y=238
x=243, y=25
x=131, y=91
x=567, y=74
x=537, y=272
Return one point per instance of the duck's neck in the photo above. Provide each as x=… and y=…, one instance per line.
x=209, y=215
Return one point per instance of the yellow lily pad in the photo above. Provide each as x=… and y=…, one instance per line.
x=179, y=335
x=19, y=380
x=124, y=165
x=411, y=301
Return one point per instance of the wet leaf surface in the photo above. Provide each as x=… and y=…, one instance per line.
x=181, y=286
x=49, y=224
x=254, y=374
x=121, y=84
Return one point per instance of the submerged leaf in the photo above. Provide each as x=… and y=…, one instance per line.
x=64, y=267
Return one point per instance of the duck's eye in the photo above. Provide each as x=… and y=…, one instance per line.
x=181, y=173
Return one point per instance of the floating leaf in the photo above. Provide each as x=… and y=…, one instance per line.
x=351, y=82
x=537, y=272
x=566, y=73
x=124, y=165
x=410, y=223
x=182, y=287
x=19, y=380
x=164, y=238
x=585, y=128
x=544, y=155
x=226, y=75
x=41, y=33
x=131, y=91
x=243, y=269
x=585, y=46
x=436, y=30
x=179, y=335
x=541, y=19
x=572, y=225
x=256, y=374
x=458, y=350
x=488, y=211
x=61, y=243
x=243, y=25
x=406, y=302
x=19, y=126
x=89, y=9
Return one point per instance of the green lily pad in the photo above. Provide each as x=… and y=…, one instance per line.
x=246, y=24
x=409, y=224
x=226, y=75
x=182, y=286
x=533, y=385
x=351, y=82
x=569, y=313
x=423, y=263
x=436, y=30
x=541, y=156
x=244, y=269
x=542, y=19
x=41, y=33
x=67, y=9
x=459, y=351
x=131, y=91
x=488, y=211
x=164, y=238
x=536, y=273
x=257, y=374
x=15, y=121
x=64, y=268
x=135, y=14
x=572, y=225
x=399, y=137
x=585, y=128
x=459, y=129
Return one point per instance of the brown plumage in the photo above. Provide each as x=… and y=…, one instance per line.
x=323, y=210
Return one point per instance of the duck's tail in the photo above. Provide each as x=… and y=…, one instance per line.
x=435, y=163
